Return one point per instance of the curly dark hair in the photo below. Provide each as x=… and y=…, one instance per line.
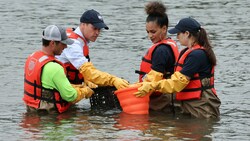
x=156, y=12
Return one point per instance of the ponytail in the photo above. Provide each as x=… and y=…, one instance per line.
x=202, y=39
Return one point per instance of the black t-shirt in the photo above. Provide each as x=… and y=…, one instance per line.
x=196, y=61
x=163, y=59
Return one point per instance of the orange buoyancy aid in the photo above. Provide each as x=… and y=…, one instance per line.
x=73, y=74
x=194, y=88
x=146, y=63
x=33, y=86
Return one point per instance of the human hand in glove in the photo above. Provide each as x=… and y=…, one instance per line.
x=177, y=83
x=101, y=78
x=90, y=84
x=153, y=76
x=87, y=92
x=144, y=89
x=120, y=83
x=82, y=92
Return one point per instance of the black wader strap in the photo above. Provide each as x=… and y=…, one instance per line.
x=140, y=72
x=39, y=97
x=88, y=58
x=202, y=87
x=172, y=100
x=35, y=86
x=146, y=60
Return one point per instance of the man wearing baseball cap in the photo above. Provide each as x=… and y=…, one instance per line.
x=76, y=56
x=46, y=87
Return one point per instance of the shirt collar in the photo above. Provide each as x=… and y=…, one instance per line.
x=78, y=31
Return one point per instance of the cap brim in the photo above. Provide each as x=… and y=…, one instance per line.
x=68, y=41
x=100, y=25
x=173, y=31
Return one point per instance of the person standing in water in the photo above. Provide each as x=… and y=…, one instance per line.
x=158, y=62
x=76, y=57
x=46, y=87
x=193, y=79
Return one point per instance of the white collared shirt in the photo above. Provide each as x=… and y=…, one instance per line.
x=74, y=53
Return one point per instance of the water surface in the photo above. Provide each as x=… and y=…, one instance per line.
x=118, y=51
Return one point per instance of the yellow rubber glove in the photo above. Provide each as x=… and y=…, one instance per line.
x=90, y=84
x=177, y=83
x=153, y=76
x=90, y=73
x=120, y=83
x=82, y=92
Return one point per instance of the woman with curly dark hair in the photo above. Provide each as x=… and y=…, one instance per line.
x=193, y=80
x=158, y=62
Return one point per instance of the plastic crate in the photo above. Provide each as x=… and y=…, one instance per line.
x=104, y=99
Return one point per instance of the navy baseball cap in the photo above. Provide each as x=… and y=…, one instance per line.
x=186, y=24
x=93, y=17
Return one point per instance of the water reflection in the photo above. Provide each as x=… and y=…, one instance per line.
x=46, y=126
x=132, y=122
x=181, y=127
x=122, y=47
x=31, y=125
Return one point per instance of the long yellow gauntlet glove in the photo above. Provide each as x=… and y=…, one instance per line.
x=177, y=83
x=90, y=73
x=153, y=76
x=82, y=92
x=90, y=84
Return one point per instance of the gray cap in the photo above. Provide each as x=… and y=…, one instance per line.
x=56, y=33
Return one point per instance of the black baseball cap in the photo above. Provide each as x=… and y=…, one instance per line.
x=186, y=24
x=93, y=17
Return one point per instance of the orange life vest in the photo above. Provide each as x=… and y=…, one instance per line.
x=74, y=76
x=194, y=89
x=33, y=85
x=147, y=59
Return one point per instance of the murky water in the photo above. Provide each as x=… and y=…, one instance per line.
x=118, y=51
